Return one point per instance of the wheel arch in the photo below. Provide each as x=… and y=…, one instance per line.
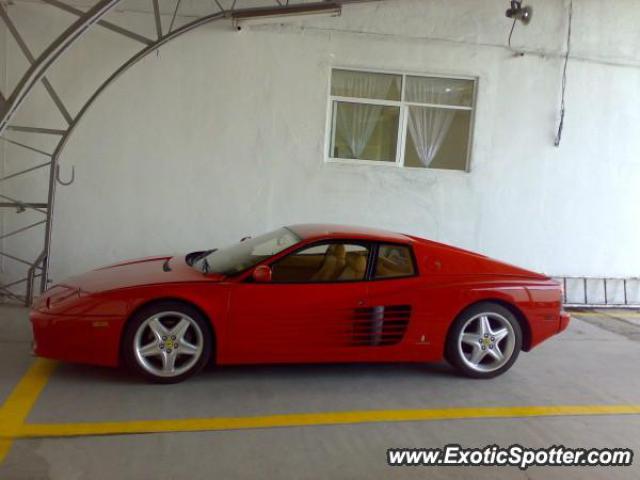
x=514, y=309
x=153, y=301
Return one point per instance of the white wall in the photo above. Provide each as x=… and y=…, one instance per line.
x=223, y=134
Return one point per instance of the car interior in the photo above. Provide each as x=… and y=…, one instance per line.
x=337, y=262
x=394, y=261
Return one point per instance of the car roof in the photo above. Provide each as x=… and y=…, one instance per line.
x=309, y=231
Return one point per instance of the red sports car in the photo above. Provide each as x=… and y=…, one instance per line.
x=304, y=293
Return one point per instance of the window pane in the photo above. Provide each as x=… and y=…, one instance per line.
x=437, y=138
x=440, y=91
x=236, y=258
x=381, y=86
x=334, y=262
x=394, y=261
x=365, y=132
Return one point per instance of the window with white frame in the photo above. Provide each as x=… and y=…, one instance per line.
x=400, y=119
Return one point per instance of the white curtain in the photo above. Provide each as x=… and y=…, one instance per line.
x=428, y=126
x=356, y=122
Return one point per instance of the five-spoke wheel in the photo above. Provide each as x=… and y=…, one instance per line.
x=167, y=342
x=484, y=341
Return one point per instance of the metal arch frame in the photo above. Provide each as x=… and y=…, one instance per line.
x=63, y=142
x=48, y=57
x=36, y=73
x=38, y=67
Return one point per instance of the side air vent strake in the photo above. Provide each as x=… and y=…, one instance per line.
x=380, y=325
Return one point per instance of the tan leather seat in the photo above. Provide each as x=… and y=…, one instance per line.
x=333, y=263
x=356, y=265
x=394, y=262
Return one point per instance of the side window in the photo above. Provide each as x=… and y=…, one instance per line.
x=328, y=262
x=394, y=261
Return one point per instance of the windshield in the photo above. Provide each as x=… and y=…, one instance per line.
x=236, y=258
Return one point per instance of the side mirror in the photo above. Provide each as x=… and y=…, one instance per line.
x=262, y=274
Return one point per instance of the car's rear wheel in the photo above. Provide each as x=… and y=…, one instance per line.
x=167, y=342
x=484, y=341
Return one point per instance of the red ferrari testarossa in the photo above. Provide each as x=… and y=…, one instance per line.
x=301, y=294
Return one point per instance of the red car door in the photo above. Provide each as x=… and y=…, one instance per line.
x=306, y=313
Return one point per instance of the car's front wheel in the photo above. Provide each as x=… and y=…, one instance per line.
x=484, y=341
x=167, y=342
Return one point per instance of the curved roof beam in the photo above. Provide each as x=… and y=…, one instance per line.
x=47, y=58
x=163, y=39
x=103, y=23
x=39, y=67
x=130, y=63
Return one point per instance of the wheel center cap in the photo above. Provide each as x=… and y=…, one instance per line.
x=486, y=342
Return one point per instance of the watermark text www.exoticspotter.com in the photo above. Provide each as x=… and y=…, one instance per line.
x=515, y=455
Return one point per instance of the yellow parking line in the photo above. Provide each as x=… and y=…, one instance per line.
x=311, y=419
x=16, y=408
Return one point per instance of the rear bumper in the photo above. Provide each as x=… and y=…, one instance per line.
x=71, y=338
x=546, y=325
x=564, y=321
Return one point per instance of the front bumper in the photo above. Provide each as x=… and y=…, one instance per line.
x=75, y=338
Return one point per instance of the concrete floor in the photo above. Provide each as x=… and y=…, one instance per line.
x=594, y=363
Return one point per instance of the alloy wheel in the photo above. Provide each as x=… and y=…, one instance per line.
x=168, y=344
x=486, y=342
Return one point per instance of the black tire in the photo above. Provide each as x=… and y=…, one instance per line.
x=455, y=352
x=165, y=310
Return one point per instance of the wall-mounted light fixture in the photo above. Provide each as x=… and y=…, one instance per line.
x=270, y=14
x=518, y=12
